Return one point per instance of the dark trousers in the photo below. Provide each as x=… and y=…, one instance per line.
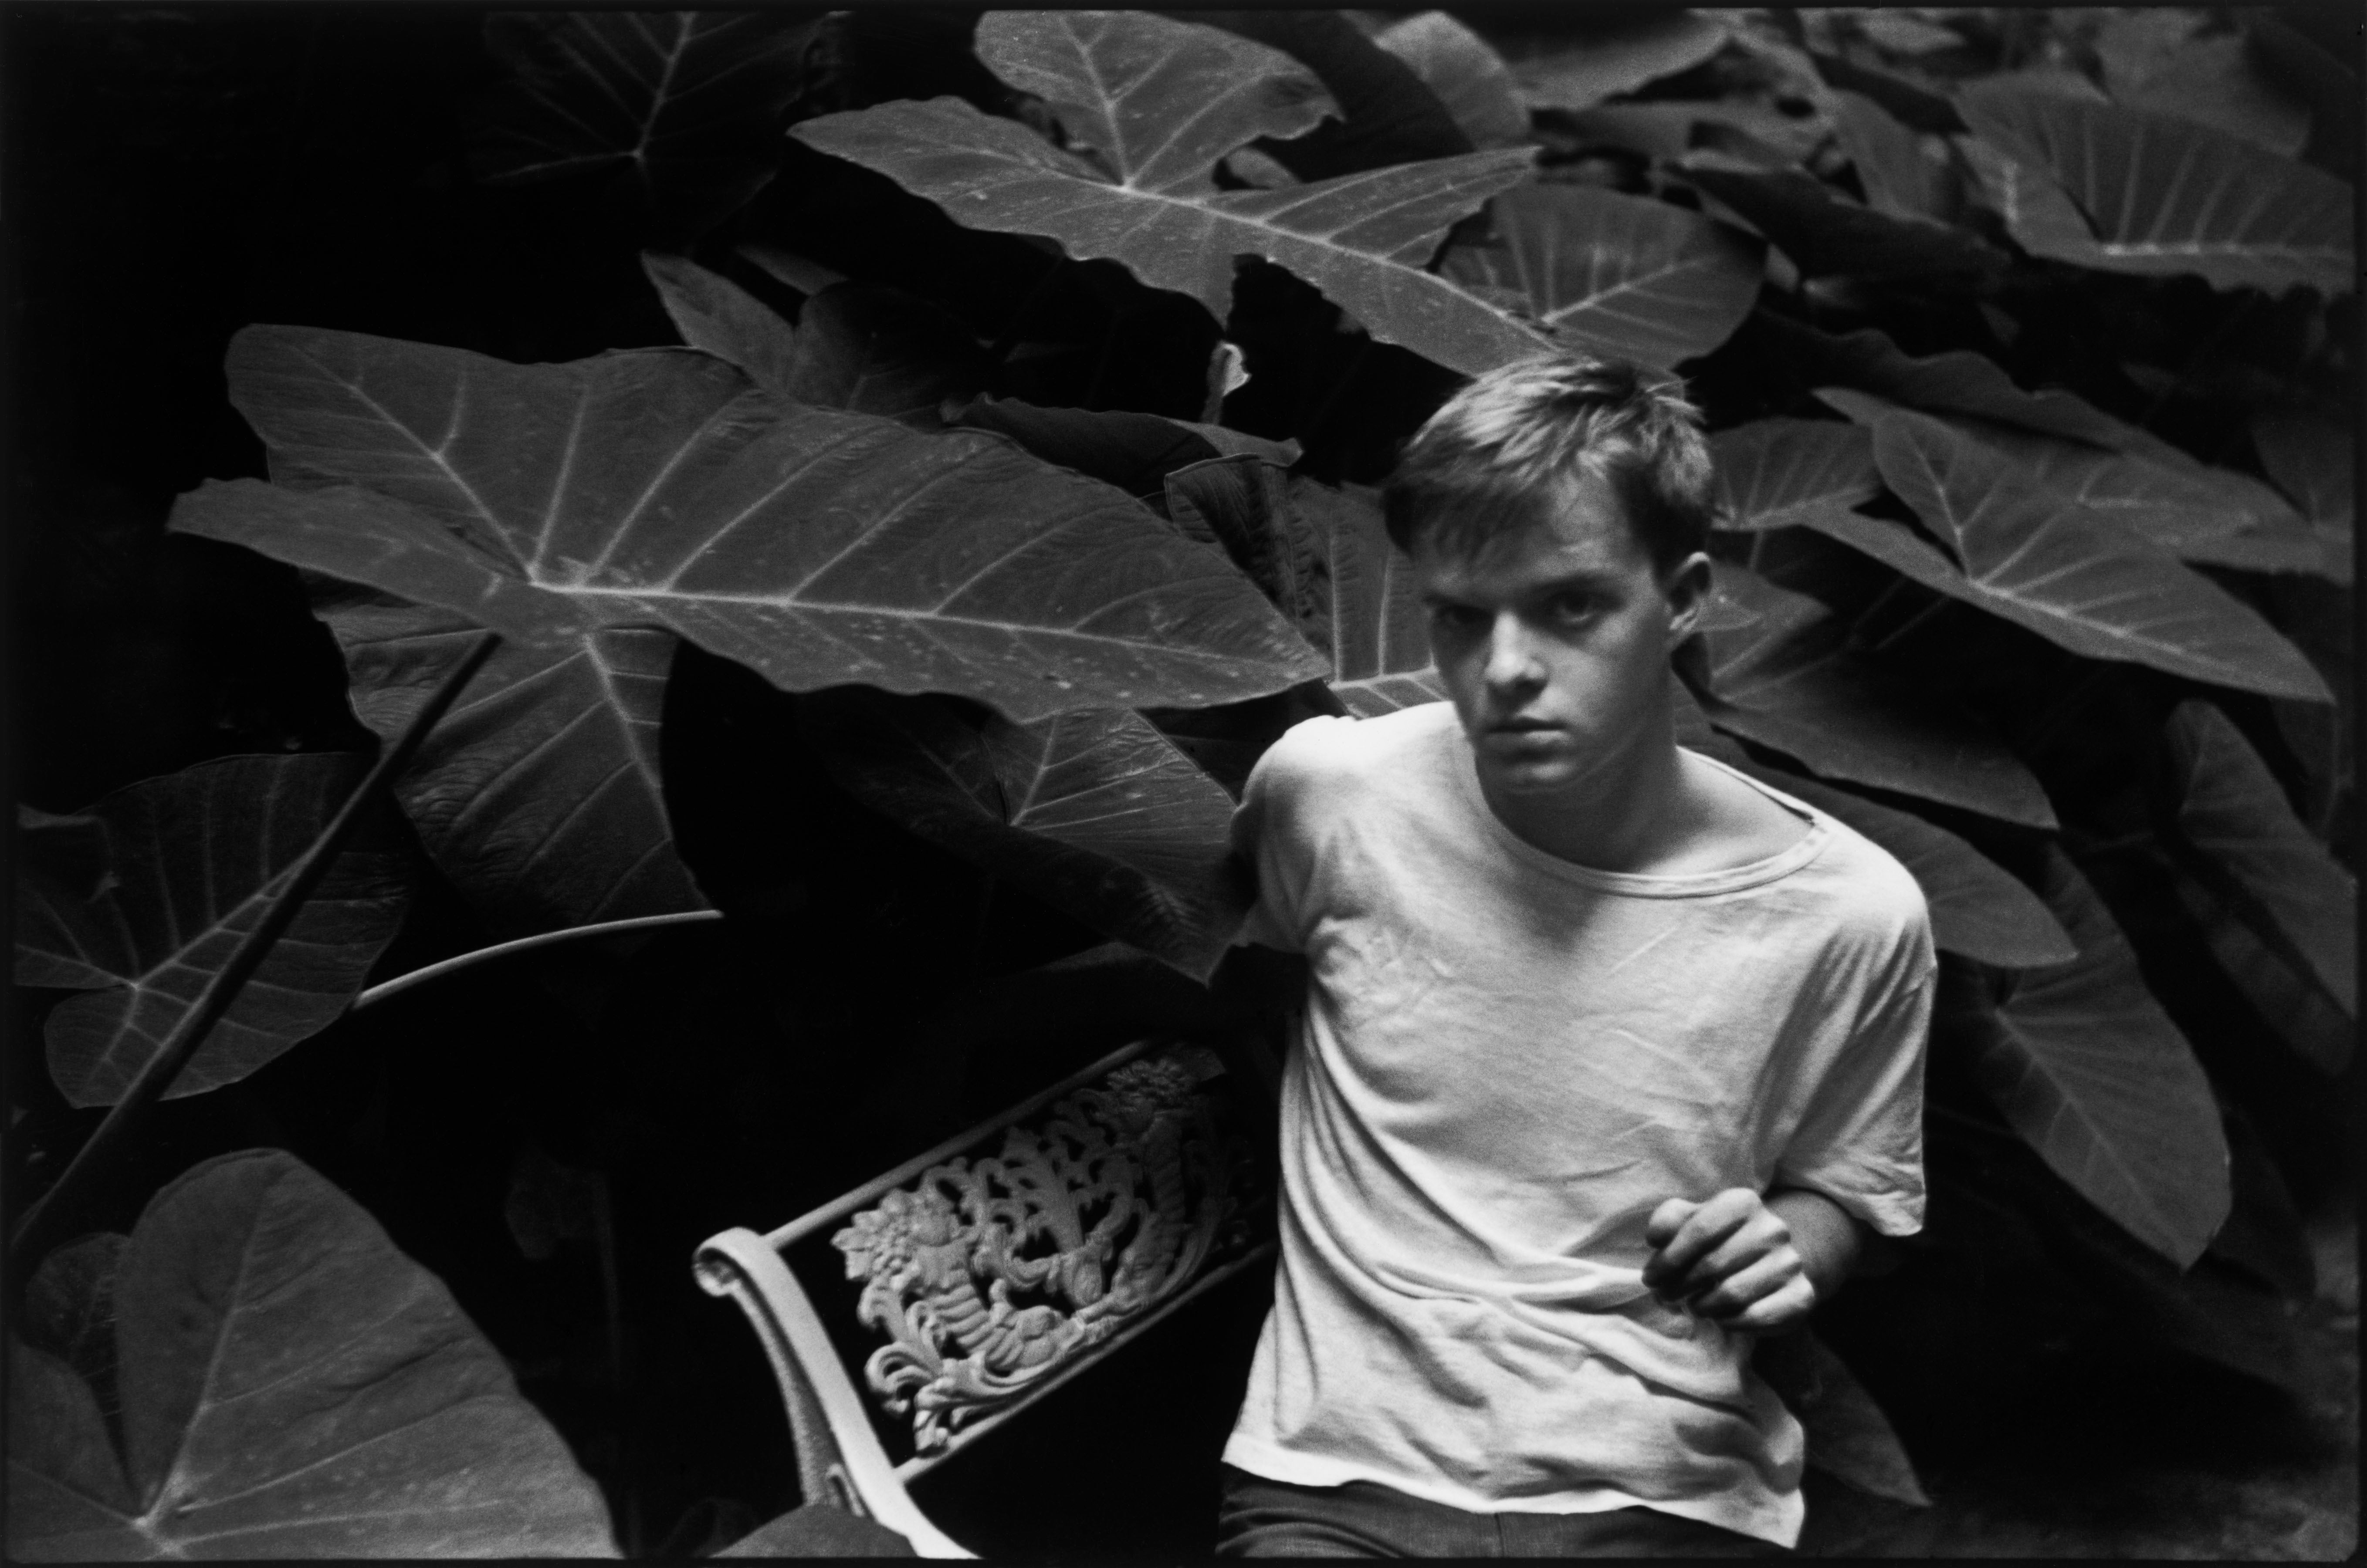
x=1273, y=1518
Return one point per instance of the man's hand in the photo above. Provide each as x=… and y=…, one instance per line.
x=1736, y=1260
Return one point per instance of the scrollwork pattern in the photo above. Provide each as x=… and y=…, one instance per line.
x=987, y=1275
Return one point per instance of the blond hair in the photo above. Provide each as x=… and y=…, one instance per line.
x=1492, y=459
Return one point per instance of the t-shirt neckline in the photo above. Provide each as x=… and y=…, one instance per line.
x=1464, y=765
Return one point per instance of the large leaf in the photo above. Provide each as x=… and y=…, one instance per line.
x=2037, y=211
x=1385, y=113
x=2165, y=195
x=66, y=1485
x=1097, y=813
x=2088, y=1068
x=1248, y=507
x=69, y=1312
x=1612, y=56
x=657, y=488
x=538, y=794
x=140, y=899
x=1230, y=443
x=1917, y=104
x=1618, y=275
x=1226, y=742
x=2196, y=512
x=1775, y=473
x=1137, y=184
x=864, y=347
x=1897, y=175
x=2046, y=562
x=1827, y=234
x=1132, y=451
x=2152, y=61
x=1669, y=128
x=867, y=348
x=1958, y=381
x=1785, y=678
x=1977, y=909
x=717, y=315
x=1323, y=556
x=1372, y=624
x=681, y=106
x=2234, y=813
x=1468, y=78
x=292, y=1387
x=2270, y=977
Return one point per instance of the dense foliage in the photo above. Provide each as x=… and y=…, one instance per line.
x=918, y=618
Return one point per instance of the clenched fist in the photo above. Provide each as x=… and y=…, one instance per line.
x=1734, y=1259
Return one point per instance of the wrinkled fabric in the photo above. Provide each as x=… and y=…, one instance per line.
x=1506, y=1063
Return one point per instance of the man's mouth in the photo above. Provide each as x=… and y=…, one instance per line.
x=1521, y=726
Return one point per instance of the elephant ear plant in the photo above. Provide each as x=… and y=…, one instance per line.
x=1025, y=438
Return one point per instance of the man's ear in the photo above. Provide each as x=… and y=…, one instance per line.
x=1687, y=586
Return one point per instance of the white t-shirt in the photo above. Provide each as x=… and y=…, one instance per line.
x=1507, y=1062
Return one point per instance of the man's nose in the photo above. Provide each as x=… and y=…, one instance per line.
x=1511, y=654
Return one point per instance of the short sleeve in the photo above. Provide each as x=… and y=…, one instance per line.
x=1264, y=840
x=1861, y=1142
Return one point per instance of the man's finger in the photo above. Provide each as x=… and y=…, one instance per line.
x=1666, y=1219
x=1772, y=1313
x=1727, y=1294
x=1744, y=1249
x=1705, y=1229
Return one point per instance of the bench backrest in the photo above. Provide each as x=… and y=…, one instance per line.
x=970, y=1282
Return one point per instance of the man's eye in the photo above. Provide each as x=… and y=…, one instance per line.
x=1569, y=606
x=1456, y=617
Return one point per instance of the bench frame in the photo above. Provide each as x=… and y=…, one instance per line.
x=840, y=1458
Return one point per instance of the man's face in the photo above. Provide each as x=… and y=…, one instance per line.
x=1554, y=640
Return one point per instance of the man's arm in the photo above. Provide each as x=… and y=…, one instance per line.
x=1753, y=1262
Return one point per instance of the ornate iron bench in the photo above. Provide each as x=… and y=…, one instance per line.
x=971, y=1281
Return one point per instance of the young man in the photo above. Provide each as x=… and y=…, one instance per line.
x=1610, y=1055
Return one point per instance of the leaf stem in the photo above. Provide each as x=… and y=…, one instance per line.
x=386, y=990
x=165, y=1065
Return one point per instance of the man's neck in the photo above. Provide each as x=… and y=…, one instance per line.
x=1618, y=818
